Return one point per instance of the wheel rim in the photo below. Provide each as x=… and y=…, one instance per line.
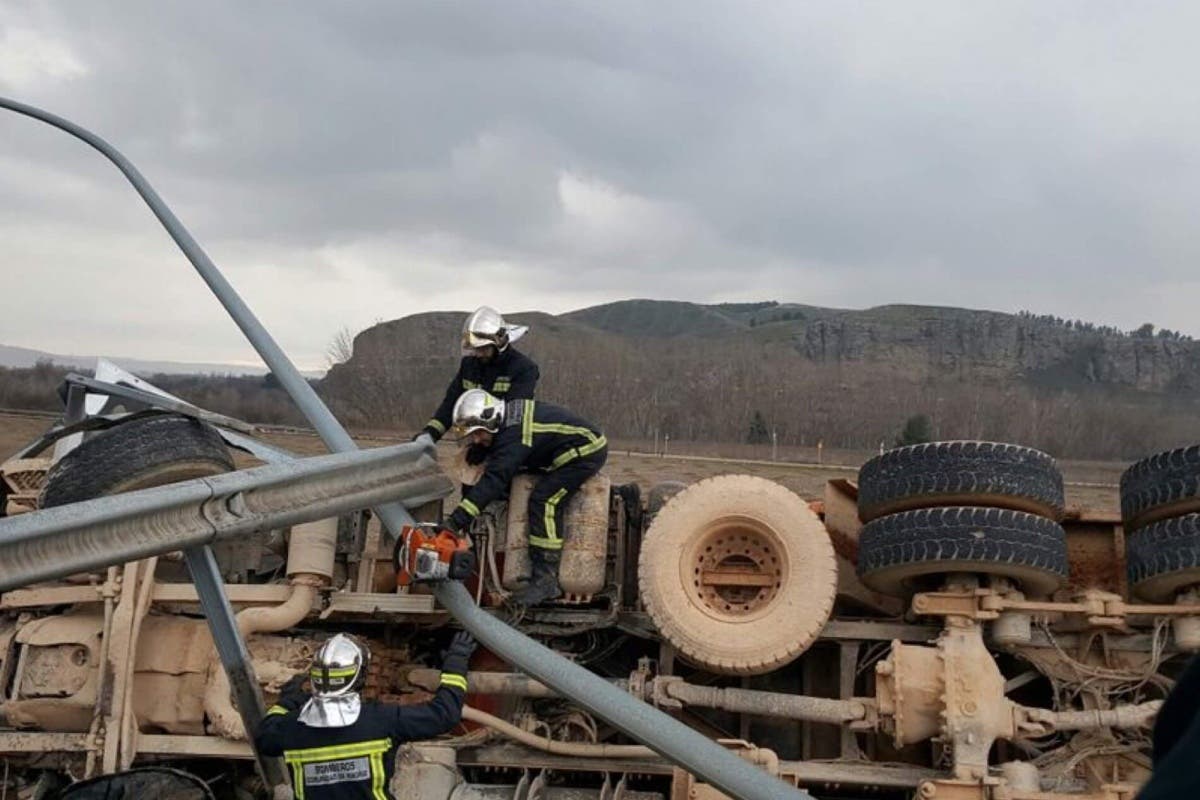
x=735, y=569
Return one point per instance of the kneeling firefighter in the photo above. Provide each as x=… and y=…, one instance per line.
x=532, y=436
x=338, y=747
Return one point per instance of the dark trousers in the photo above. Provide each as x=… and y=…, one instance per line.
x=549, y=498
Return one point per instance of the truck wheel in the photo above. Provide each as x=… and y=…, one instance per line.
x=1164, y=557
x=960, y=474
x=659, y=494
x=738, y=574
x=143, y=452
x=897, y=551
x=1163, y=485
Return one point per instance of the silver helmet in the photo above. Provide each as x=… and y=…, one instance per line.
x=337, y=674
x=476, y=410
x=339, y=667
x=484, y=326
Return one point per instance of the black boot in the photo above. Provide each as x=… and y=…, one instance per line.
x=543, y=584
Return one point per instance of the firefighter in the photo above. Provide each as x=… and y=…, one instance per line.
x=489, y=362
x=534, y=436
x=338, y=747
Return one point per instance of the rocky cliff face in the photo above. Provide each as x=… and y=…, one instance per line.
x=983, y=344
x=644, y=365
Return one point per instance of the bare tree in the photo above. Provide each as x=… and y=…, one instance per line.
x=341, y=349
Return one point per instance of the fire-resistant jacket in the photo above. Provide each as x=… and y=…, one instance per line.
x=511, y=375
x=533, y=436
x=355, y=762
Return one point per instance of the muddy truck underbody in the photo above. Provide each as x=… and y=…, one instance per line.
x=944, y=627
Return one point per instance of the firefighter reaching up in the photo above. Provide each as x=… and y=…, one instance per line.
x=489, y=362
x=532, y=436
x=339, y=747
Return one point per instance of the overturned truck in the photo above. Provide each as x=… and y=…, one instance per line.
x=944, y=627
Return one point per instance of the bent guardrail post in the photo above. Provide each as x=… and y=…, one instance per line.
x=662, y=733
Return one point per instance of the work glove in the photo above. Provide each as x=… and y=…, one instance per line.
x=292, y=694
x=425, y=437
x=476, y=454
x=456, y=657
x=458, y=521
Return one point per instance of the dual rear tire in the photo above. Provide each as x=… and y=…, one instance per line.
x=961, y=507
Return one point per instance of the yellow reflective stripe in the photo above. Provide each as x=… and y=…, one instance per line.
x=455, y=681
x=596, y=446
x=546, y=544
x=470, y=384
x=527, y=424
x=378, y=776
x=548, y=514
x=469, y=507
x=275, y=710
x=560, y=427
x=436, y=425
x=565, y=457
x=339, y=672
x=298, y=780
x=338, y=751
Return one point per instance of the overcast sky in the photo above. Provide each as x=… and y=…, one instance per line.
x=349, y=163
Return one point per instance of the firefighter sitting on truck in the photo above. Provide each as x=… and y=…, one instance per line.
x=489, y=362
x=338, y=747
x=534, y=436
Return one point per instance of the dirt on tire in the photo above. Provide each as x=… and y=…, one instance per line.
x=738, y=573
x=897, y=552
x=1164, y=558
x=938, y=474
x=143, y=452
x=1163, y=485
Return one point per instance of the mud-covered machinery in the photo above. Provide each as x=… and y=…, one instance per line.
x=946, y=627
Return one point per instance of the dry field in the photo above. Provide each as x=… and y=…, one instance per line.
x=1090, y=484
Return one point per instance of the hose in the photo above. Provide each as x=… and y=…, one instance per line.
x=577, y=749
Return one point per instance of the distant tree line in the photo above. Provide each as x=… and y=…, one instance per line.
x=738, y=390
x=1145, y=331
x=712, y=390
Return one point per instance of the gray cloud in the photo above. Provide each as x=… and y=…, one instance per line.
x=348, y=164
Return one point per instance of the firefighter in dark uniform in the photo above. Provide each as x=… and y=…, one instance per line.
x=338, y=747
x=531, y=436
x=489, y=362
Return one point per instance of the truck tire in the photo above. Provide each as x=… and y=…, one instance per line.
x=960, y=474
x=897, y=551
x=1164, y=557
x=738, y=574
x=1162, y=485
x=659, y=494
x=143, y=452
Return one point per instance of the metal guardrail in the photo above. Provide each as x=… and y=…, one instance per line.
x=56, y=542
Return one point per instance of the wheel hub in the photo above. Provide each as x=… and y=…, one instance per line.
x=736, y=570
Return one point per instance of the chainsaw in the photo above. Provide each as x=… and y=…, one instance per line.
x=427, y=552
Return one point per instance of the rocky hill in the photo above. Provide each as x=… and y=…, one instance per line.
x=846, y=377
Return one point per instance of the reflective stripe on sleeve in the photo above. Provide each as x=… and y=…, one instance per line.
x=436, y=425
x=454, y=681
x=527, y=424
x=469, y=507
